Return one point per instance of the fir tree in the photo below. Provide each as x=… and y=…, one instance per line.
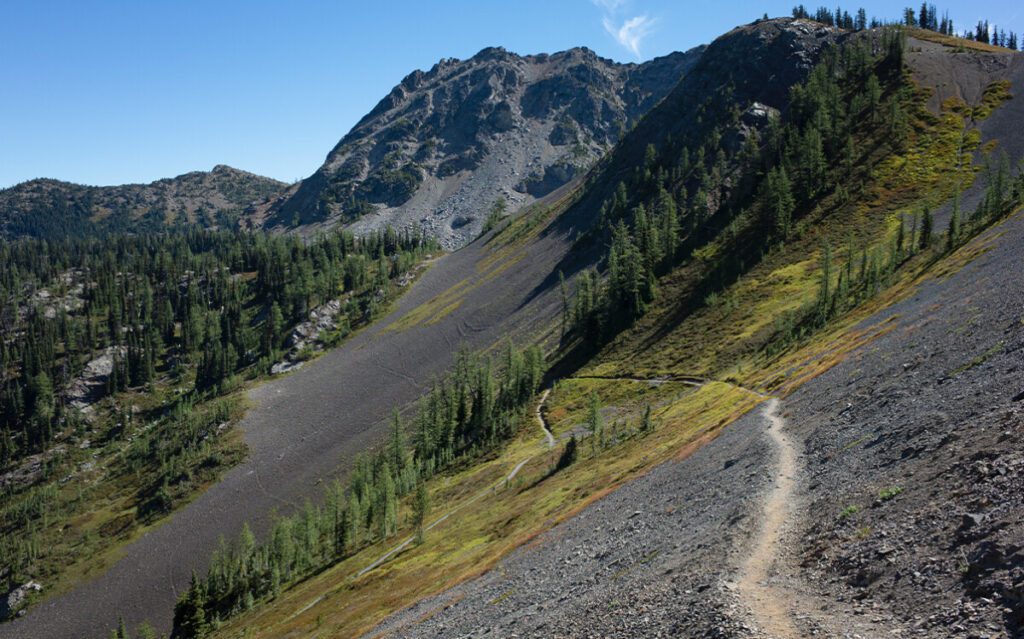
x=420, y=509
x=926, y=229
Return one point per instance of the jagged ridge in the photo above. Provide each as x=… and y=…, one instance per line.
x=445, y=143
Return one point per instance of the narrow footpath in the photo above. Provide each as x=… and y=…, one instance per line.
x=757, y=586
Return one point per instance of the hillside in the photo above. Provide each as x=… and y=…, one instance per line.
x=686, y=549
x=52, y=209
x=751, y=372
x=445, y=144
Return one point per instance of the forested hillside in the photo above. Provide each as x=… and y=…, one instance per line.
x=833, y=181
x=56, y=210
x=120, y=360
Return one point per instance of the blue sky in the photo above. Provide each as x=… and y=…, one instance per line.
x=118, y=91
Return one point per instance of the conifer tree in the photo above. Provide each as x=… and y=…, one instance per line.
x=595, y=422
x=953, y=232
x=926, y=228
x=420, y=509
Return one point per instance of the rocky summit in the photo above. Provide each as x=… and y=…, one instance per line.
x=447, y=143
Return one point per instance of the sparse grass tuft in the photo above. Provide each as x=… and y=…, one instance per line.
x=889, y=493
x=849, y=511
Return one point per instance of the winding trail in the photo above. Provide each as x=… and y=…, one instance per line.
x=549, y=440
x=768, y=602
x=540, y=418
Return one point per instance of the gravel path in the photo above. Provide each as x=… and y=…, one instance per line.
x=768, y=603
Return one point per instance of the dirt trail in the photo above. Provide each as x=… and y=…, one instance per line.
x=540, y=418
x=767, y=601
x=549, y=441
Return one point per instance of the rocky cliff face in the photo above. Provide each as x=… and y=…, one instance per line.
x=445, y=144
x=50, y=208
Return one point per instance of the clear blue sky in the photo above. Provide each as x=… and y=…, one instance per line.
x=117, y=91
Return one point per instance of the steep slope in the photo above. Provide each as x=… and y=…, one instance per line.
x=894, y=441
x=753, y=303
x=446, y=143
x=305, y=429
x=645, y=560
x=50, y=208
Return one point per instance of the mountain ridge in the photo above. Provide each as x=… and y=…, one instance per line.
x=445, y=143
x=49, y=208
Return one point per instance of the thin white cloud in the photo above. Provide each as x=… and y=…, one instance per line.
x=628, y=31
x=631, y=32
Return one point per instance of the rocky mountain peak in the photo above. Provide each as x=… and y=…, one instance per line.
x=446, y=143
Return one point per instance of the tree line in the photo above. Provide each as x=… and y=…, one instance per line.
x=926, y=17
x=195, y=308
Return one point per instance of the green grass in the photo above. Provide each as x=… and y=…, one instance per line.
x=849, y=511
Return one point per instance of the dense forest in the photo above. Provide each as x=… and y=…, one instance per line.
x=158, y=330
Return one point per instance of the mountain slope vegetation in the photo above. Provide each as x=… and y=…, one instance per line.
x=749, y=232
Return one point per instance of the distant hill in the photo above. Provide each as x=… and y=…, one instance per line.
x=51, y=208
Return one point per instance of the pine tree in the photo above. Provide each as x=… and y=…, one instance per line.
x=190, y=611
x=420, y=509
x=926, y=229
x=953, y=232
x=565, y=302
x=595, y=423
x=777, y=200
x=824, y=290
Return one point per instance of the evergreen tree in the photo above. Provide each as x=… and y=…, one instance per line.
x=926, y=228
x=420, y=509
x=953, y=232
x=595, y=422
x=190, y=611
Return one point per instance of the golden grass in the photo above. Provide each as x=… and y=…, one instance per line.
x=472, y=541
x=955, y=42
